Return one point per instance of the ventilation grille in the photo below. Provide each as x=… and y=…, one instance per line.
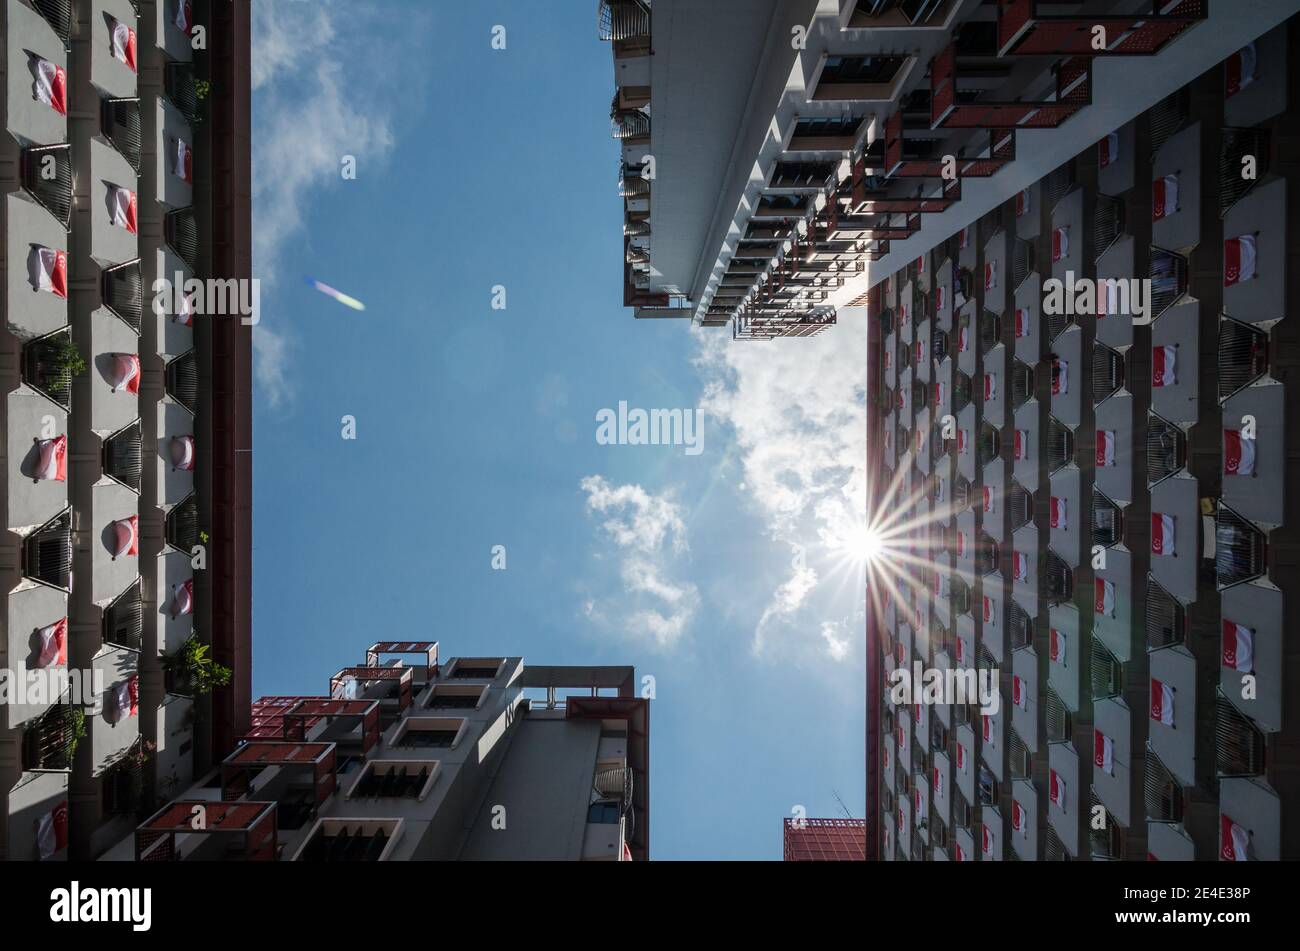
x=183, y=381
x=1166, y=621
x=123, y=458
x=183, y=524
x=1243, y=356
x=1238, y=548
x=1107, y=224
x=182, y=233
x=123, y=293
x=1060, y=444
x=124, y=619
x=1239, y=746
x=1107, y=520
x=121, y=124
x=1107, y=372
x=1166, y=449
x=47, y=552
x=1237, y=144
x=1166, y=117
x=47, y=174
x=1162, y=793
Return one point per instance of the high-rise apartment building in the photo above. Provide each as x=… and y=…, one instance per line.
x=126, y=468
x=1084, y=500
x=407, y=757
x=824, y=840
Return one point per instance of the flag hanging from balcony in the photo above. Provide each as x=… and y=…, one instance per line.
x=1162, y=534
x=1056, y=789
x=1162, y=702
x=988, y=498
x=963, y=338
x=1104, y=597
x=182, y=452
x=1238, y=259
x=52, y=831
x=959, y=852
x=1238, y=453
x=885, y=758
x=1108, y=150
x=1018, y=818
x=902, y=820
x=986, y=839
x=987, y=728
x=963, y=442
x=1020, y=565
x=1019, y=696
x=1107, y=298
x=54, y=643
x=961, y=757
x=184, y=16
x=1022, y=322
x=1103, y=752
x=1022, y=203
x=961, y=651
x=51, y=86
x=1236, y=840
x=990, y=610
x=122, y=205
x=1060, y=243
x=990, y=386
x=963, y=241
x=185, y=312
x=939, y=297
x=990, y=275
x=940, y=394
x=1056, y=643
x=1164, y=197
x=123, y=43
x=920, y=265
x=51, y=268
x=52, y=460
x=1240, y=70
x=1059, y=517
x=1060, y=376
x=1106, y=447
x=961, y=544
x=183, y=599
x=184, y=167
x=126, y=536
x=1163, y=361
x=1238, y=646
x=125, y=373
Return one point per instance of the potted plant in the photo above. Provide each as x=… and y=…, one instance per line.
x=191, y=671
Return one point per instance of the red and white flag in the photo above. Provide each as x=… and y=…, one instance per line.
x=920, y=352
x=988, y=498
x=1238, y=453
x=987, y=728
x=902, y=820
x=1060, y=377
x=184, y=16
x=51, y=86
x=1162, y=702
x=940, y=394
x=961, y=651
x=51, y=268
x=184, y=169
x=961, y=757
x=885, y=758
x=990, y=386
x=1018, y=818
x=888, y=360
x=1056, y=642
x=963, y=441
x=939, y=297
x=963, y=240
x=1107, y=297
x=182, y=453
x=1019, y=696
x=920, y=265
x=1162, y=534
x=1103, y=596
x=1022, y=322
x=122, y=201
x=1163, y=362
x=902, y=740
x=990, y=275
x=1060, y=242
x=1236, y=840
x=1022, y=203
x=1103, y=752
x=1238, y=646
x=54, y=643
x=126, y=536
x=123, y=42
x=1020, y=445
x=990, y=610
x=125, y=373
x=1055, y=788
x=963, y=338
x=183, y=599
x=1105, y=447
x=1240, y=70
x=52, y=831
x=1164, y=197
x=986, y=839
x=52, y=460
x=938, y=790
x=1020, y=565
x=1238, y=259
x=1108, y=150
x=959, y=852
x=1059, y=516
x=961, y=544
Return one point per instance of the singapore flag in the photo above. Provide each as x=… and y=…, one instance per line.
x=122, y=201
x=1238, y=453
x=1162, y=366
x=1022, y=322
x=1240, y=70
x=51, y=86
x=184, y=168
x=990, y=275
x=1106, y=447
x=52, y=463
x=1108, y=149
x=1018, y=821
x=54, y=643
x=1162, y=702
x=1056, y=789
x=988, y=498
x=51, y=268
x=1020, y=563
x=1162, y=534
x=1019, y=696
x=1164, y=197
x=1103, y=752
x=123, y=43
x=1020, y=445
x=1058, y=513
x=990, y=610
x=1238, y=259
x=1057, y=646
x=1104, y=597
x=1238, y=646
x=1060, y=243
x=1236, y=840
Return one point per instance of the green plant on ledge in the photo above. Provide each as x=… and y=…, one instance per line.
x=192, y=669
x=77, y=722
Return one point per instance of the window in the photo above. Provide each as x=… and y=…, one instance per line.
x=429, y=733
x=604, y=812
x=393, y=780
x=476, y=668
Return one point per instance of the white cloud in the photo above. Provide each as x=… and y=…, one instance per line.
x=797, y=409
x=317, y=98
x=648, y=534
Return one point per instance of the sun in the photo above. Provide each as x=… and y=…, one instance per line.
x=866, y=546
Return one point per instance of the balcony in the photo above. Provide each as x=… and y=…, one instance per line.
x=251, y=760
x=123, y=460
x=182, y=524
x=1239, y=553
x=623, y=20
x=124, y=620
x=58, y=14
x=181, y=232
x=120, y=120
x=47, y=175
x=47, y=366
x=1032, y=28
x=1242, y=356
x=395, y=779
x=1166, y=449
x=123, y=293
x=183, y=381
x=50, y=741
x=47, y=552
x=182, y=90
x=233, y=831
x=861, y=78
x=1238, y=743
x=950, y=95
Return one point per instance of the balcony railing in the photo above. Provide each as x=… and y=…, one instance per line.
x=1239, y=745
x=120, y=119
x=122, y=456
x=1060, y=444
x=181, y=231
x=47, y=175
x=44, y=368
x=1107, y=372
x=1239, y=549
x=1166, y=448
x=1107, y=522
x=183, y=381
x=58, y=14
x=50, y=742
x=182, y=90
x=47, y=552
x=1059, y=577
x=1106, y=672
x=1243, y=356
x=124, y=620
x=1107, y=224
x=1056, y=717
x=1162, y=793
x=123, y=293
x=1237, y=144
x=622, y=19
x=614, y=784
x=183, y=524
x=1166, y=619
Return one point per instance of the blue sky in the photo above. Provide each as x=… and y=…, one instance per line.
x=476, y=427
